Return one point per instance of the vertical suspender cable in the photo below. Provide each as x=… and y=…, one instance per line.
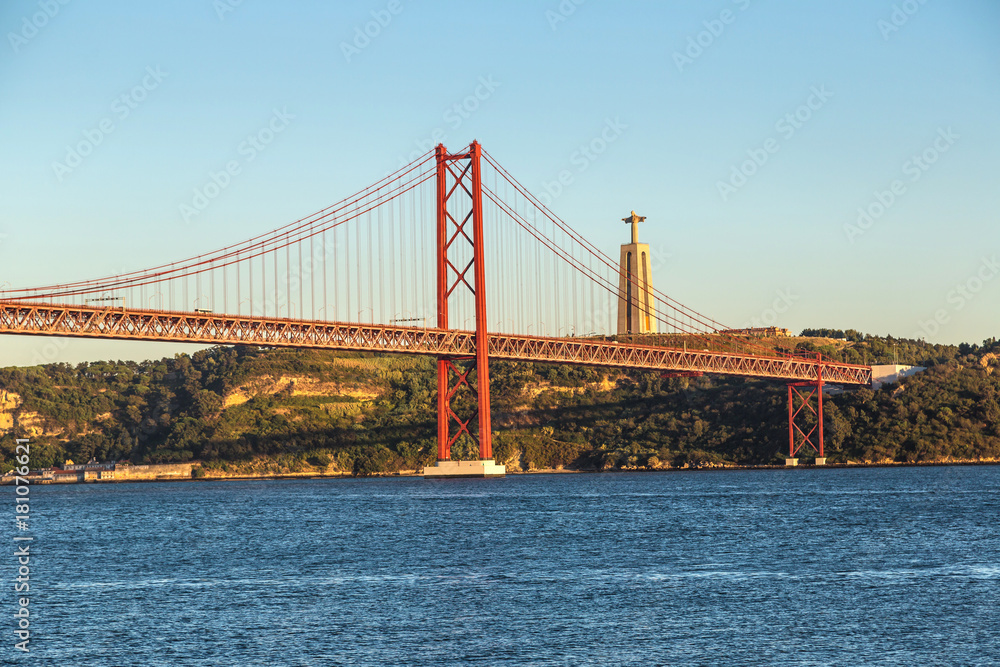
x=381, y=271
x=326, y=253
x=538, y=281
x=347, y=270
x=417, y=301
x=359, y=268
x=371, y=221
x=504, y=251
x=557, y=310
x=574, y=297
x=391, y=255
x=312, y=274
x=524, y=248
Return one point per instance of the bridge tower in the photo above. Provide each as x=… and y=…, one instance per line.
x=806, y=416
x=461, y=273
x=636, y=304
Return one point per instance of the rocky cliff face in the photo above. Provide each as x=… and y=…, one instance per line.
x=9, y=403
x=27, y=423
x=295, y=385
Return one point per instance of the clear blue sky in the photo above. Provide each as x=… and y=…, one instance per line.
x=887, y=81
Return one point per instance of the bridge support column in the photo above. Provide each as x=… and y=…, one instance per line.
x=460, y=263
x=806, y=413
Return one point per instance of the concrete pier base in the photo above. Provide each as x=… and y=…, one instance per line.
x=821, y=460
x=791, y=462
x=459, y=469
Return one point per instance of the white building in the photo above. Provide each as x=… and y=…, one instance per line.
x=889, y=373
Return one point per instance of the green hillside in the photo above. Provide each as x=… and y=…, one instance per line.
x=257, y=410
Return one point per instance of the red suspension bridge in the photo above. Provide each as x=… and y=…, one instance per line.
x=405, y=266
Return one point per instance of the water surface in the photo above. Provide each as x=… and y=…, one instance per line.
x=894, y=566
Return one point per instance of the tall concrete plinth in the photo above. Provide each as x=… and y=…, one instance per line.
x=636, y=303
x=791, y=462
x=459, y=469
x=820, y=461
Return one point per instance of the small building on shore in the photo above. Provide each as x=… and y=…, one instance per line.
x=108, y=471
x=67, y=476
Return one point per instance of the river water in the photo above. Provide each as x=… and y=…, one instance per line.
x=893, y=566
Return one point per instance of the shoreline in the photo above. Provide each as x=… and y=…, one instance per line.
x=539, y=471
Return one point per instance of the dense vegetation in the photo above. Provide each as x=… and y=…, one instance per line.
x=370, y=414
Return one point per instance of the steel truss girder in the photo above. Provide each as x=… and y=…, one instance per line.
x=626, y=355
x=214, y=329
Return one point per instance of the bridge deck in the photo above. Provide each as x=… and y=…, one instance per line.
x=208, y=328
